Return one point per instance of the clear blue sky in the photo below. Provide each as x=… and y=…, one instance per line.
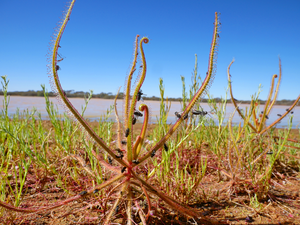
x=98, y=44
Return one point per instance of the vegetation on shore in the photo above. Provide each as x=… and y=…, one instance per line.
x=102, y=95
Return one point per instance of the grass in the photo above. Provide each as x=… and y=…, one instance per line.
x=70, y=170
x=40, y=157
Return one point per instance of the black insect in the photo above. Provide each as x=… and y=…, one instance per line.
x=267, y=117
x=117, y=209
x=135, y=161
x=199, y=112
x=249, y=219
x=139, y=95
x=83, y=193
x=121, y=155
x=269, y=153
x=57, y=67
x=127, y=132
x=133, y=120
x=123, y=142
x=95, y=191
x=178, y=115
x=137, y=113
x=109, y=160
x=61, y=58
x=262, y=112
x=166, y=147
x=153, y=153
x=279, y=115
x=292, y=112
x=189, y=171
x=287, y=109
x=123, y=169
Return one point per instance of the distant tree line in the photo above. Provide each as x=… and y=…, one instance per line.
x=109, y=95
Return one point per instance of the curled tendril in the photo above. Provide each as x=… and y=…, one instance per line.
x=134, y=98
x=145, y=40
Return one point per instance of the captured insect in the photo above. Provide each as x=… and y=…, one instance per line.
x=178, y=115
x=269, y=153
x=117, y=209
x=153, y=153
x=123, y=142
x=199, y=112
x=139, y=95
x=121, y=155
x=166, y=147
x=279, y=115
x=83, y=193
x=127, y=132
x=95, y=191
x=267, y=117
x=61, y=58
x=249, y=219
x=133, y=120
x=109, y=160
x=292, y=112
x=123, y=169
x=57, y=67
x=137, y=113
x=135, y=161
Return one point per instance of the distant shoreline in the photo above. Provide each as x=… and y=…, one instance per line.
x=99, y=107
x=81, y=94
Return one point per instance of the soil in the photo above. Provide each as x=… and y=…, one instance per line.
x=281, y=206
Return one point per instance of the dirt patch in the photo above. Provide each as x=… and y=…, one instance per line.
x=217, y=198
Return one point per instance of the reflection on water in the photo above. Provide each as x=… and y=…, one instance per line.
x=97, y=107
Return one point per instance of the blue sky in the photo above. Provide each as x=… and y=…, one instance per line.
x=98, y=44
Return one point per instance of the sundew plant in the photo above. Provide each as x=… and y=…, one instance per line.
x=126, y=187
x=192, y=171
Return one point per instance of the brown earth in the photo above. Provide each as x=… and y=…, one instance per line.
x=281, y=207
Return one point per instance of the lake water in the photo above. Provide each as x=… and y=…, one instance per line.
x=97, y=107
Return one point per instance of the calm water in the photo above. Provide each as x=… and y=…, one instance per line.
x=97, y=107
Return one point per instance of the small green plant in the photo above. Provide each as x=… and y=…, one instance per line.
x=259, y=117
x=249, y=168
x=127, y=187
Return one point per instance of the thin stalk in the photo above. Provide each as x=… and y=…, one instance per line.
x=205, y=85
x=134, y=98
x=263, y=118
x=276, y=90
x=66, y=101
